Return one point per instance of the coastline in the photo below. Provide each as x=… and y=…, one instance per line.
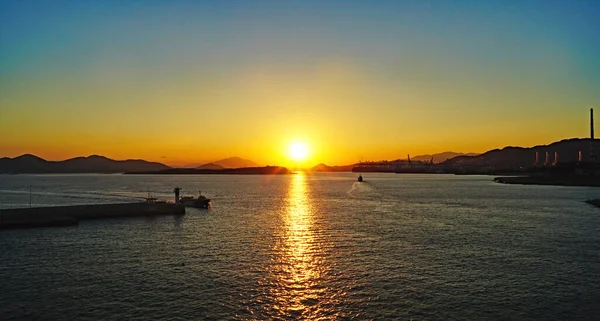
x=558, y=180
x=267, y=170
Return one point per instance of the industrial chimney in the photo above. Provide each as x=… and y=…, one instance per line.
x=537, y=159
x=592, y=123
x=547, y=161
x=592, y=155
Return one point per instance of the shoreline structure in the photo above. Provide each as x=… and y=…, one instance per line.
x=72, y=214
x=555, y=180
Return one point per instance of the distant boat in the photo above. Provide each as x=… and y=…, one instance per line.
x=360, y=179
x=200, y=202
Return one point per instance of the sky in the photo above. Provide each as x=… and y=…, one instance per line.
x=194, y=81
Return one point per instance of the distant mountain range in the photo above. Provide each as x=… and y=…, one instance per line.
x=507, y=157
x=325, y=168
x=515, y=157
x=230, y=162
x=92, y=164
x=233, y=162
x=99, y=164
x=266, y=170
x=210, y=166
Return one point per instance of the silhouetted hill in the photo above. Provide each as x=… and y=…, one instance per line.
x=440, y=157
x=235, y=162
x=192, y=165
x=22, y=163
x=324, y=168
x=93, y=164
x=210, y=166
x=516, y=157
x=267, y=170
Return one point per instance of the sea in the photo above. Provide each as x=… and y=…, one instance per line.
x=305, y=247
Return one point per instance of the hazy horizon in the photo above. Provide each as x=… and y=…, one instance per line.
x=176, y=82
x=183, y=163
x=305, y=165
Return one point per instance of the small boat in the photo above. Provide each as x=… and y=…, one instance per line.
x=360, y=179
x=200, y=202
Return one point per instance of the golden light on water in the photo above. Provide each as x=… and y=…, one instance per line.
x=300, y=236
x=299, y=264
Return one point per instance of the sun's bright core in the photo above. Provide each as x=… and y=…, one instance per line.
x=298, y=151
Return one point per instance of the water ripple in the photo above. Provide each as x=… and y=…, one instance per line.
x=316, y=247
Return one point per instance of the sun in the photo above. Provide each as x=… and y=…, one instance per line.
x=298, y=151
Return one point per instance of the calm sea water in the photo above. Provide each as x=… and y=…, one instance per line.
x=319, y=247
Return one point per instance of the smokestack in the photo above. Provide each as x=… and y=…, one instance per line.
x=592, y=123
x=579, y=157
x=537, y=159
x=547, y=159
x=555, y=159
x=592, y=155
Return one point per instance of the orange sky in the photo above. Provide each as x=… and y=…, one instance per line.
x=180, y=83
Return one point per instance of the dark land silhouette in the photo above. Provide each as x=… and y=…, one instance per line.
x=324, y=168
x=234, y=162
x=437, y=158
x=517, y=158
x=229, y=162
x=440, y=157
x=266, y=170
x=568, y=155
x=508, y=160
x=210, y=166
x=582, y=179
x=31, y=164
x=28, y=163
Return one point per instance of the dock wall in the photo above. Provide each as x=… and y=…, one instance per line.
x=71, y=215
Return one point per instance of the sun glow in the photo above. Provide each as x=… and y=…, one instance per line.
x=298, y=151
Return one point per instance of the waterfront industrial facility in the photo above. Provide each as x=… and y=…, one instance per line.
x=575, y=155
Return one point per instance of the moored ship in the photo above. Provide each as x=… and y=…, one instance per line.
x=189, y=201
x=200, y=202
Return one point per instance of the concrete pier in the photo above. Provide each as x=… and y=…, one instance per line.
x=71, y=215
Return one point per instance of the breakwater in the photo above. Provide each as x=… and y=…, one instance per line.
x=71, y=215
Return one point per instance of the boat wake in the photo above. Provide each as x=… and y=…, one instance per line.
x=360, y=187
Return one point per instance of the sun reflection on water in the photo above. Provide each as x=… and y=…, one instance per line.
x=299, y=265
